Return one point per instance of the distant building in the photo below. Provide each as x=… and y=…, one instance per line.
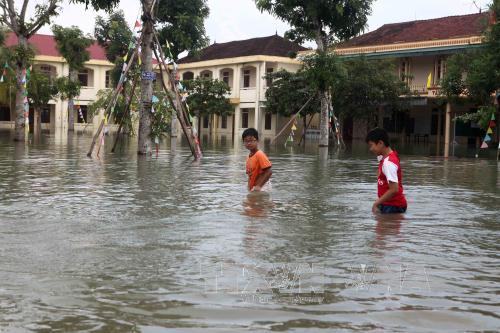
x=419, y=49
x=242, y=65
x=94, y=77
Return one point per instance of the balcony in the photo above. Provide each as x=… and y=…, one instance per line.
x=421, y=89
x=247, y=95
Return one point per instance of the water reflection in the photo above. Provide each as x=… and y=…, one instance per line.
x=388, y=230
x=257, y=204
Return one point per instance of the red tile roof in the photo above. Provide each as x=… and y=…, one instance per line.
x=46, y=45
x=424, y=30
x=271, y=46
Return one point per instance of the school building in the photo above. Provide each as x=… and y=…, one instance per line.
x=242, y=65
x=420, y=50
x=54, y=116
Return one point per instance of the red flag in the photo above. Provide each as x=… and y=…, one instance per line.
x=492, y=123
x=137, y=24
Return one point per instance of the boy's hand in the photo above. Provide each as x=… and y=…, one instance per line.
x=375, y=209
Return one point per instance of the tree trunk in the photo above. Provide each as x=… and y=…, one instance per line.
x=305, y=128
x=210, y=124
x=21, y=116
x=324, y=96
x=73, y=76
x=145, y=143
x=324, y=120
x=438, y=136
x=447, y=131
x=37, y=120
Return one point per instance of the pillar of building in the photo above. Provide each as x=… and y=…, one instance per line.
x=258, y=80
x=447, y=131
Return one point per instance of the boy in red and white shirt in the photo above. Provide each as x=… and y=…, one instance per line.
x=391, y=198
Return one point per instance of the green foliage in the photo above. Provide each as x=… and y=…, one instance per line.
x=41, y=89
x=333, y=20
x=181, y=23
x=453, y=84
x=72, y=44
x=323, y=70
x=67, y=88
x=162, y=115
x=207, y=96
x=367, y=85
x=482, y=116
x=477, y=74
x=18, y=55
x=113, y=34
x=107, y=5
x=289, y=92
x=357, y=86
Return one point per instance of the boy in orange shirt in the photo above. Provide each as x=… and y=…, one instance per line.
x=258, y=165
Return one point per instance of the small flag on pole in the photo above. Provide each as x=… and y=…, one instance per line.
x=429, y=80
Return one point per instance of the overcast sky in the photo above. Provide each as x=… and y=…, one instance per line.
x=239, y=19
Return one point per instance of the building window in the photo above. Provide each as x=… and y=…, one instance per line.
x=269, y=82
x=158, y=81
x=225, y=77
x=46, y=70
x=404, y=70
x=246, y=78
x=223, y=123
x=268, y=121
x=81, y=114
x=205, y=122
x=188, y=76
x=83, y=77
x=4, y=113
x=440, y=70
x=45, y=115
x=107, y=82
x=244, y=119
x=206, y=75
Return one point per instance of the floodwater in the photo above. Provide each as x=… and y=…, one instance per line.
x=161, y=244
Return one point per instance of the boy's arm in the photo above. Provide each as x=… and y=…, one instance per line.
x=262, y=179
x=390, y=170
x=393, y=189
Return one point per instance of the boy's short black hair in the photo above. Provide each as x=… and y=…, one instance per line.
x=250, y=132
x=378, y=134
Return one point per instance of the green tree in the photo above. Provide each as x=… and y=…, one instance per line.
x=169, y=15
x=182, y=25
x=289, y=92
x=207, y=97
x=115, y=36
x=324, y=21
x=41, y=89
x=23, y=27
x=107, y=5
x=367, y=85
x=72, y=44
x=476, y=74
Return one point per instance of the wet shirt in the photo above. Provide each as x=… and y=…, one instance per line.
x=256, y=164
x=389, y=170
